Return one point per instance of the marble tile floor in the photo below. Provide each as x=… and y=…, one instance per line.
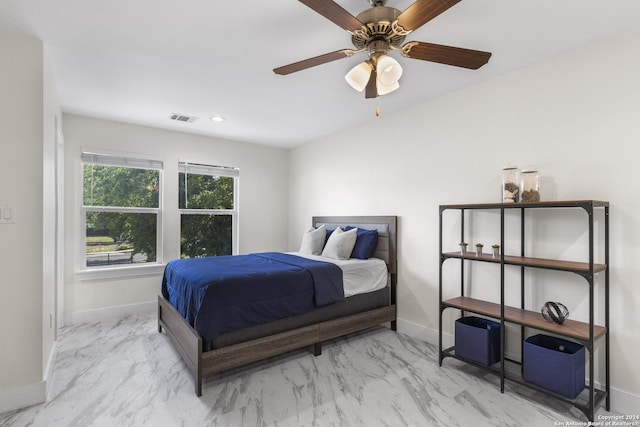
x=124, y=373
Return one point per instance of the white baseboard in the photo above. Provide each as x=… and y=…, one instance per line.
x=87, y=316
x=621, y=401
x=423, y=333
x=22, y=396
x=48, y=370
x=30, y=394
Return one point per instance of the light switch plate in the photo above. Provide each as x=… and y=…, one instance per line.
x=7, y=214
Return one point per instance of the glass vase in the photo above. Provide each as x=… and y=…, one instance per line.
x=510, y=184
x=529, y=186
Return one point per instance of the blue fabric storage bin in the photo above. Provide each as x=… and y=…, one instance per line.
x=555, y=364
x=478, y=340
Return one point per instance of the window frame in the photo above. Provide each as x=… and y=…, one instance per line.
x=120, y=159
x=211, y=170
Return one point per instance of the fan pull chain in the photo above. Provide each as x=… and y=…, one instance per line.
x=377, y=111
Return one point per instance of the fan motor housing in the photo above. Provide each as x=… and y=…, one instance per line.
x=378, y=25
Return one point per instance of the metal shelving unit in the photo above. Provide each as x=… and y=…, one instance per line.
x=586, y=333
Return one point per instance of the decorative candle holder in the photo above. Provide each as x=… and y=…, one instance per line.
x=496, y=251
x=463, y=247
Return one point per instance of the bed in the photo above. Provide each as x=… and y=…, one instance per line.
x=208, y=346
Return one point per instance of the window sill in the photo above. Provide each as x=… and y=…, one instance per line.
x=114, y=272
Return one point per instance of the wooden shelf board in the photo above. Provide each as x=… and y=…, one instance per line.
x=547, y=204
x=570, y=328
x=552, y=264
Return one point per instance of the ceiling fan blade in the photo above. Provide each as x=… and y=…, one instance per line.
x=371, y=90
x=334, y=13
x=423, y=11
x=312, y=62
x=449, y=55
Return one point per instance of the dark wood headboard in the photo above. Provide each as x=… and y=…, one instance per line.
x=387, y=233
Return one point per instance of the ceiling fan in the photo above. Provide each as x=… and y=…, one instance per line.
x=378, y=30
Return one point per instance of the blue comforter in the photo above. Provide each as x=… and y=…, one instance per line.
x=222, y=294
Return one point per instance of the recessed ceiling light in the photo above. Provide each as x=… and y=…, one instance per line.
x=217, y=119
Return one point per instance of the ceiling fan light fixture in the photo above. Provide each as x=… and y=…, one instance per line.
x=379, y=30
x=389, y=70
x=358, y=76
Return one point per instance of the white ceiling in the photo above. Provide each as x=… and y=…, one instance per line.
x=139, y=61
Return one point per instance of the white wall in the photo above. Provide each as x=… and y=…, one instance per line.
x=263, y=201
x=575, y=117
x=52, y=113
x=27, y=109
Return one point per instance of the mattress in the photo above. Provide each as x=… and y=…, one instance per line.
x=359, y=276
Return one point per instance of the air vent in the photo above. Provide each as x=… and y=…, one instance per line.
x=182, y=118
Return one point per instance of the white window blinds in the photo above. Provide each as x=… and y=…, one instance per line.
x=121, y=160
x=194, y=168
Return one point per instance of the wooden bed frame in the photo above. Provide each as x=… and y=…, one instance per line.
x=201, y=364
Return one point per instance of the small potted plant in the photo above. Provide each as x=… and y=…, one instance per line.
x=496, y=250
x=479, y=247
x=463, y=247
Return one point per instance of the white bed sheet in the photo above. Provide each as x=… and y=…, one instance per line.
x=358, y=275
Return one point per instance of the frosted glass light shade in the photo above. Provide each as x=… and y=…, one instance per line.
x=384, y=89
x=389, y=70
x=358, y=76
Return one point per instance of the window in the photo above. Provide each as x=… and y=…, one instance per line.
x=208, y=210
x=121, y=210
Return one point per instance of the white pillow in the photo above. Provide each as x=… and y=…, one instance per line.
x=313, y=240
x=340, y=244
